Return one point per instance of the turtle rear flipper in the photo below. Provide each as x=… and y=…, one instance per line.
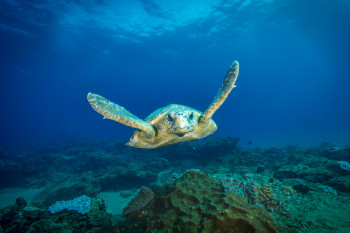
x=225, y=89
x=113, y=111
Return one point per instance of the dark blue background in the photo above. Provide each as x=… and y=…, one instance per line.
x=293, y=85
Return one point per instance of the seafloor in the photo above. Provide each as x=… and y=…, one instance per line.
x=210, y=186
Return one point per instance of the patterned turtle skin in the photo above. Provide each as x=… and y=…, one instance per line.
x=171, y=124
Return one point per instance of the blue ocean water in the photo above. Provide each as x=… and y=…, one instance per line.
x=293, y=86
x=279, y=161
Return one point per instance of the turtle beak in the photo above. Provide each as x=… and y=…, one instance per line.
x=182, y=125
x=181, y=122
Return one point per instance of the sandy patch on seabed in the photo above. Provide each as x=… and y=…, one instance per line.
x=114, y=202
x=8, y=196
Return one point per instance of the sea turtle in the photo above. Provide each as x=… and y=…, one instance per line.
x=168, y=125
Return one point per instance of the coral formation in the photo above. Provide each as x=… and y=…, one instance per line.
x=297, y=186
x=18, y=218
x=329, y=190
x=141, y=200
x=46, y=225
x=167, y=177
x=265, y=193
x=9, y=216
x=197, y=203
x=248, y=188
x=220, y=145
x=67, y=190
x=79, y=204
x=344, y=165
x=288, y=191
x=98, y=216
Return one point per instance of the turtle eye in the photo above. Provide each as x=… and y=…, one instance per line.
x=170, y=118
x=191, y=116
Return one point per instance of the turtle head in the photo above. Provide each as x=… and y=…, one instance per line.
x=181, y=121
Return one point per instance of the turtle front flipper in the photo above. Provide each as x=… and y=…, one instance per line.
x=225, y=89
x=113, y=111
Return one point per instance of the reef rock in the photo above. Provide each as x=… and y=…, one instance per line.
x=197, y=203
x=141, y=200
x=26, y=218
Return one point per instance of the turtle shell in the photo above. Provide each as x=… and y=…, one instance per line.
x=164, y=137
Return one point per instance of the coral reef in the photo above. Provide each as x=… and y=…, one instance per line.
x=344, y=165
x=98, y=216
x=9, y=216
x=248, y=188
x=265, y=193
x=141, y=200
x=167, y=177
x=66, y=191
x=288, y=191
x=304, y=189
x=197, y=203
x=245, y=188
x=79, y=204
x=23, y=218
x=46, y=225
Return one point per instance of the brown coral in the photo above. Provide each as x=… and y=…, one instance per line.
x=197, y=203
x=141, y=200
x=265, y=193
